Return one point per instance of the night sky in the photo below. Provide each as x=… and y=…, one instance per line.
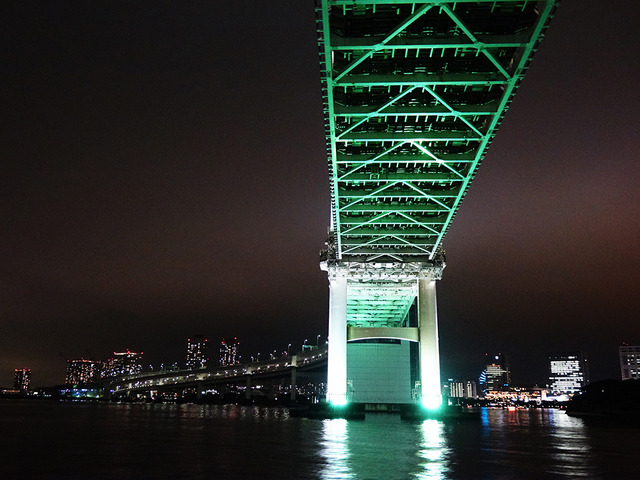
x=163, y=174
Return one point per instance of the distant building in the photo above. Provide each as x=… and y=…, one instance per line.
x=22, y=379
x=482, y=379
x=568, y=372
x=498, y=375
x=124, y=363
x=629, y=362
x=518, y=395
x=229, y=352
x=466, y=389
x=83, y=372
x=197, y=352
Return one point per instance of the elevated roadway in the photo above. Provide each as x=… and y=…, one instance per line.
x=286, y=369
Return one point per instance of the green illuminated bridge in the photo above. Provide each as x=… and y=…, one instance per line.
x=413, y=95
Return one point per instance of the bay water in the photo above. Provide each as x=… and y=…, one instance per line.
x=67, y=440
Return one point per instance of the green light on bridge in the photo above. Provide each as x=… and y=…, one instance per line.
x=338, y=400
x=432, y=403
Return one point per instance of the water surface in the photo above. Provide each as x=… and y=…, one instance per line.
x=51, y=440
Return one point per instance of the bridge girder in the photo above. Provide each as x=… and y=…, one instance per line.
x=413, y=95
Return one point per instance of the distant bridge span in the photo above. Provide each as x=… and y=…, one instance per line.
x=288, y=368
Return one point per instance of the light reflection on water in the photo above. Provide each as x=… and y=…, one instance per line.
x=570, y=447
x=64, y=441
x=433, y=450
x=335, y=449
x=542, y=443
x=383, y=447
x=503, y=444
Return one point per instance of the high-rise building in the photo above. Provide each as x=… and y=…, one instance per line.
x=22, y=378
x=229, y=352
x=466, y=389
x=568, y=372
x=197, y=352
x=123, y=363
x=629, y=361
x=498, y=375
x=82, y=372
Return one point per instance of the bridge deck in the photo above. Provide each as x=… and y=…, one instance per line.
x=233, y=374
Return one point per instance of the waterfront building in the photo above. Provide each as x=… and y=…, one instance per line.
x=197, y=352
x=568, y=372
x=229, y=352
x=82, y=372
x=518, y=395
x=123, y=363
x=22, y=379
x=498, y=375
x=464, y=389
x=629, y=361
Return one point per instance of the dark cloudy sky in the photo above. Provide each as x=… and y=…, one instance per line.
x=163, y=174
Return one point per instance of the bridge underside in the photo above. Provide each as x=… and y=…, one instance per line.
x=413, y=95
x=369, y=302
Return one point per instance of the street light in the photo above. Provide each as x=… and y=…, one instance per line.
x=317, y=340
x=289, y=349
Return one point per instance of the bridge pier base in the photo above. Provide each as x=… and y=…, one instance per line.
x=292, y=390
x=248, y=386
x=200, y=388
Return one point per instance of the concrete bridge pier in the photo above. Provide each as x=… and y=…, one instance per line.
x=391, y=290
x=428, y=340
x=293, y=389
x=248, y=386
x=294, y=378
x=337, y=355
x=272, y=390
x=199, y=388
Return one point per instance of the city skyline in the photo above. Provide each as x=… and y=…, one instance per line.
x=158, y=182
x=494, y=372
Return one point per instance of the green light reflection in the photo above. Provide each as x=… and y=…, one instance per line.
x=383, y=446
x=433, y=451
x=335, y=450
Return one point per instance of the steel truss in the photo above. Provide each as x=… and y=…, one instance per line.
x=413, y=94
x=381, y=294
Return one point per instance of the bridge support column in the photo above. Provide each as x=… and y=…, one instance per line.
x=248, y=385
x=429, y=349
x=294, y=381
x=337, y=354
x=199, y=387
